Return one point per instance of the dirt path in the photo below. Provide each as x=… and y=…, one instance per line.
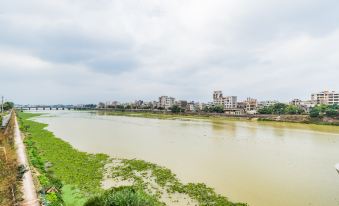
x=28, y=189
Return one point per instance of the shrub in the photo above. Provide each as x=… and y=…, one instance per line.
x=123, y=196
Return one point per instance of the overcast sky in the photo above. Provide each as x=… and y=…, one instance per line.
x=85, y=51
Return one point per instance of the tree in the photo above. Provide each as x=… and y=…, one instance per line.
x=292, y=109
x=329, y=112
x=8, y=105
x=315, y=112
x=218, y=109
x=279, y=108
x=265, y=110
x=176, y=109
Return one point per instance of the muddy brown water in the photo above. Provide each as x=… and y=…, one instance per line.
x=261, y=163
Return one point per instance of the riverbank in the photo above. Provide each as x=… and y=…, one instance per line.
x=77, y=176
x=10, y=176
x=30, y=197
x=303, y=119
x=65, y=175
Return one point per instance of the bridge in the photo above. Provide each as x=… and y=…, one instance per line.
x=46, y=107
x=56, y=107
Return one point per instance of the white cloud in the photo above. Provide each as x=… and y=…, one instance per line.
x=105, y=50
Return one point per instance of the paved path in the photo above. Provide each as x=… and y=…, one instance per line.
x=28, y=189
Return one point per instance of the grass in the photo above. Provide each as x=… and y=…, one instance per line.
x=72, y=196
x=10, y=177
x=60, y=164
x=124, y=196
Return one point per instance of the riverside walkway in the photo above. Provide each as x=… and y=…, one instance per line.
x=30, y=197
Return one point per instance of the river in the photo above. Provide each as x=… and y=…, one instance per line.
x=260, y=163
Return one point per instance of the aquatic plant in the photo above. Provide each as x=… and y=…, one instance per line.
x=81, y=170
x=164, y=177
x=123, y=196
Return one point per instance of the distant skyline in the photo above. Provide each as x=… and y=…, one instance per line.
x=87, y=51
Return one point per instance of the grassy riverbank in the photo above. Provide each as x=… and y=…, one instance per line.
x=77, y=176
x=297, y=119
x=74, y=176
x=10, y=175
x=169, y=116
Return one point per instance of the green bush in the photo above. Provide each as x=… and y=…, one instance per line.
x=123, y=196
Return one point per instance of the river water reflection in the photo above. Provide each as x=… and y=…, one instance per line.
x=261, y=163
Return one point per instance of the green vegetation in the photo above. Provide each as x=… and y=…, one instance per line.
x=176, y=109
x=170, y=116
x=130, y=170
x=123, y=196
x=214, y=109
x=281, y=108
x=8, y=105
x=325, y=111
x=58, y=163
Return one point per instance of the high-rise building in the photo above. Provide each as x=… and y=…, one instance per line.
x=228, y=102
x=325, y=97
x=166, y=102
x=217, y=98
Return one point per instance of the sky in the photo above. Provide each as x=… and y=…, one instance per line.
x=86, y=51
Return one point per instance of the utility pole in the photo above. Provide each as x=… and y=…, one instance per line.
x=2, y=104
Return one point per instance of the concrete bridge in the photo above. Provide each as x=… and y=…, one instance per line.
x=47, y=107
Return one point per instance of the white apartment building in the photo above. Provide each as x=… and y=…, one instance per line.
x=325, y=97
x=166, y=102
x=229, y=102
x=190, y=107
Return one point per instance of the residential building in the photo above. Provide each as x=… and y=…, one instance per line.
x=325, y=97
x=267, y=103
x=190, y=107
x=234, y=111
x=199, y=106
x=296, y=102
x=182, y=104
x=307, y=105
x=138, y=103
x=228, y=102
x=166, y=102
x=251, y=105
x=217, y=98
